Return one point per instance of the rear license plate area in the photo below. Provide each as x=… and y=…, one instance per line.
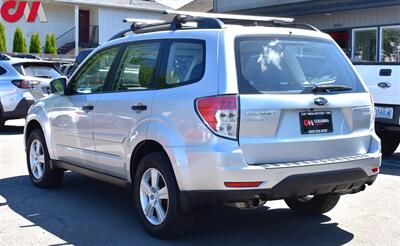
x=316, y=122
x=384, y=112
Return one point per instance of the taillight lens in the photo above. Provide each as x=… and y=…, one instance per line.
x=220, y=113
x=25, y=84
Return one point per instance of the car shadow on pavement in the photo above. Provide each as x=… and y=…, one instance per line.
x=11, y=130
x=390, y=170
x=83, y=211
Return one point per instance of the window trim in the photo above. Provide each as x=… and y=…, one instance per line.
x=353, y=41
x=69, y=91
x=164, y=62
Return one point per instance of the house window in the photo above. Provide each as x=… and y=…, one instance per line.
x=364, y=44
x=390, y=44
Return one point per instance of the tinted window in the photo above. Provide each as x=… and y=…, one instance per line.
x=185, y=63
x=137, y=67
x=288, y=65
x=2, y=70
x=92, y=76
x=39, y=70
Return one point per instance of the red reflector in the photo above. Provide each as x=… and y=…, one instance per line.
x=242, y=184
x=375, y=170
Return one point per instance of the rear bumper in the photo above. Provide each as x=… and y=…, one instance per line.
x=201, y=173
x=20, y=111
x=300, y=185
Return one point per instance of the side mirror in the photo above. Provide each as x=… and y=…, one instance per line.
x=58, y=86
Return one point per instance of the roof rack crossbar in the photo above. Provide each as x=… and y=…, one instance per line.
x=208, y=21
x=230, y=16
x=177, y=23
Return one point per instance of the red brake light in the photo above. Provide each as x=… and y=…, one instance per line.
x=220, y=113
x=242, y=184
x=25, y=84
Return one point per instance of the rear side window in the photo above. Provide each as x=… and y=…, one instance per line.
x=185, y=62
x=2, y=70
x=38, y=70
x=137, y=67
x=289, y=65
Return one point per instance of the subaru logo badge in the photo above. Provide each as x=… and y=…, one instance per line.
x=320, y=101
x=384, y=85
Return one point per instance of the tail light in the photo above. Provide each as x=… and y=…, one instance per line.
x=220, y=114
x=25, y=84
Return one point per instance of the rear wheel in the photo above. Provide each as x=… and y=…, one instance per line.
x=313, y=205
x=157, y=198
x=38, y=160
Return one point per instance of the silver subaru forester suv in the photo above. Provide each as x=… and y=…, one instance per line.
x=197, y=112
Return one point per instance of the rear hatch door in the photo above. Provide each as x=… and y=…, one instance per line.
x=300, y=100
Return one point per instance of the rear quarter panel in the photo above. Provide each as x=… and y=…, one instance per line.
x=174, y=121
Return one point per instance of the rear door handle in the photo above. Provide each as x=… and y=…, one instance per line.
x=139, y=107
x=87, y=108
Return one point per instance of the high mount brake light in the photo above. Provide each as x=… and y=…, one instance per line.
x=220, y=114
x=25, y=84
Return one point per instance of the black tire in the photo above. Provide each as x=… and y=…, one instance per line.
x=389, y=143
x=316, y=205
x=176, y=223
x=2, y=120
x=51, y=177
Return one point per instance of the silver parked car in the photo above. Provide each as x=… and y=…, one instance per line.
x=207, y=114
x=22, y=81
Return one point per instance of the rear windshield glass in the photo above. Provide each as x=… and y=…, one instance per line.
x=39, y=70
x=289, y=65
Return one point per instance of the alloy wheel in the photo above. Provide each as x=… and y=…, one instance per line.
x=154, y=196
x=36, y=159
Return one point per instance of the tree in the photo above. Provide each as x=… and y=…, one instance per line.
x=3, y=46
x=47, y=45
x=53, y=44
x=35, y=46
x=19, y=42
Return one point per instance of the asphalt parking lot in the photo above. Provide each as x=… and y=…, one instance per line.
x=84, y=211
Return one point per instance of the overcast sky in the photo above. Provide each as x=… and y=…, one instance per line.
x=174, y=3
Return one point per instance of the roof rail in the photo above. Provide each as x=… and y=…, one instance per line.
x=183, y=19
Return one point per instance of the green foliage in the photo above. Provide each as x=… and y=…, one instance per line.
x=47, y=45
x=391, y=40
x=53, y=44
x=19, y=42
x=3, y=46
x=50, y=47
x=35, y=46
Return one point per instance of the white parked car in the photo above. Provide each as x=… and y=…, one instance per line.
x=208, y=114
x=382, y=80
x=22, y=81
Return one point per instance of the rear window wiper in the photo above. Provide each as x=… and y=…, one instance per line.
x=325, y=88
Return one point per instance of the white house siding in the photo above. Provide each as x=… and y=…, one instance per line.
x=60, y=19
x=359, y=18
x=110, y=20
